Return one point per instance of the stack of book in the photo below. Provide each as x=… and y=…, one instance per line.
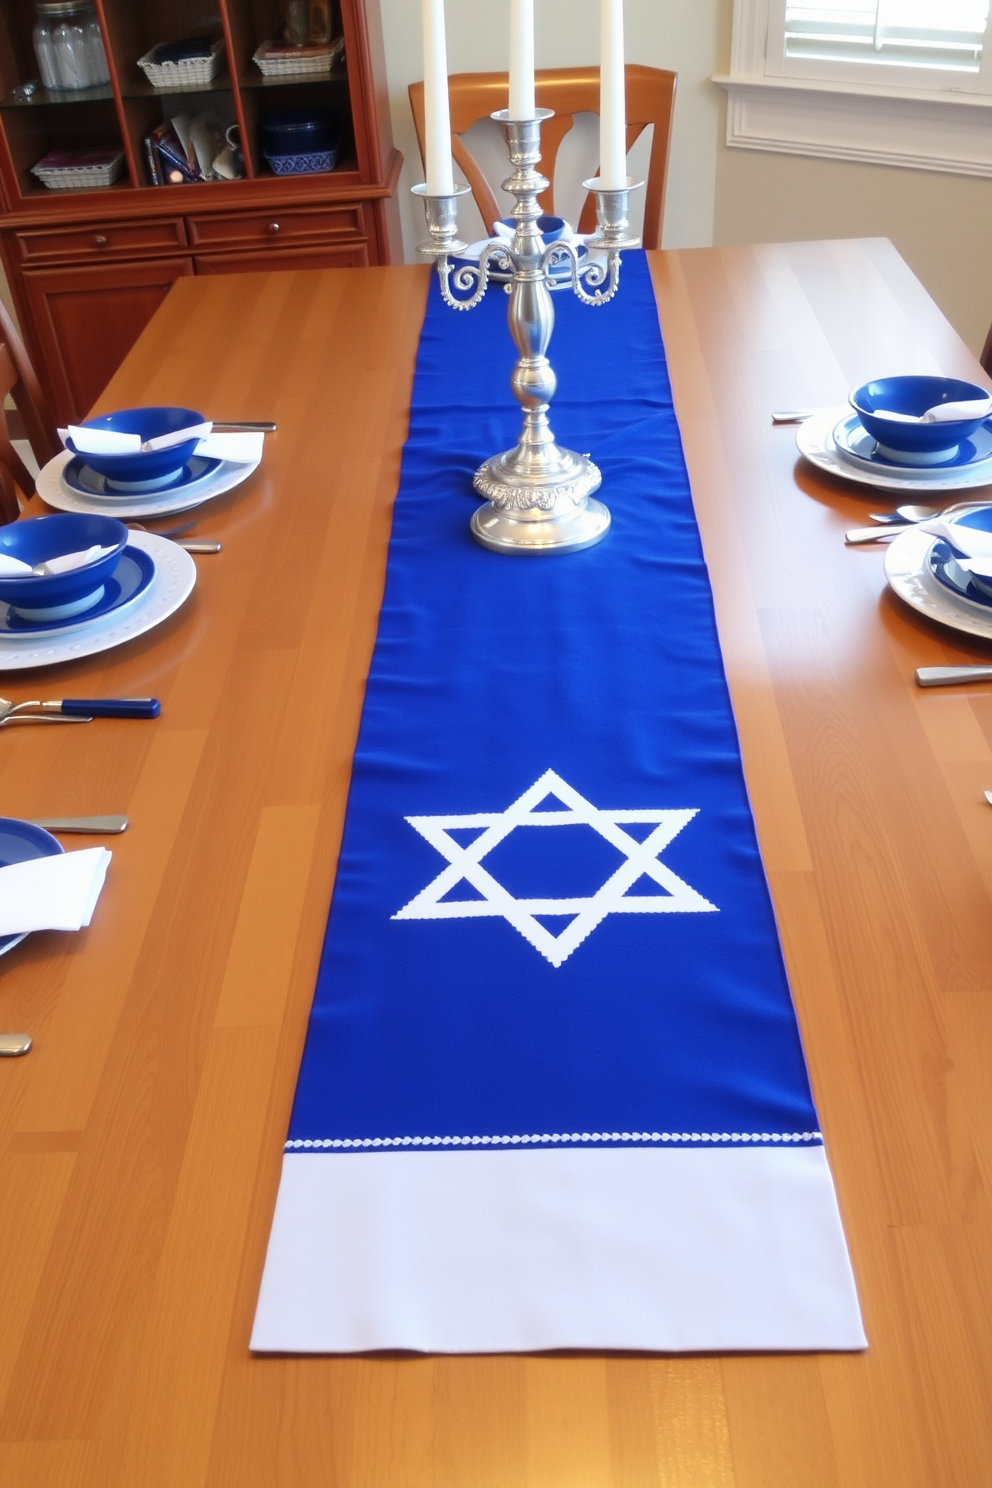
x=186, y=148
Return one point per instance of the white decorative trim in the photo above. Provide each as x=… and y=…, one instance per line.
x=573, y=1139
x=916, y=130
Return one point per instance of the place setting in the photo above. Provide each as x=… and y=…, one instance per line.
x=919, y=436
x=904, y=434
x=149, y=462
x=88, y=578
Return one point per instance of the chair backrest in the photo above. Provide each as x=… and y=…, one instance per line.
x=569, y=91
x=19, y=380
x=986, y=356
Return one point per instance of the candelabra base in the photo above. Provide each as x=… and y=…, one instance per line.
x=546, y=508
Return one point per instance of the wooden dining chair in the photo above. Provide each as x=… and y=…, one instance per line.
x=986, y=356
x=19, y=381
x=569, y=91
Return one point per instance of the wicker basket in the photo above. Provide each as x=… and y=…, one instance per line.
x=192, y=72
x=78, y=177
x=274, y=60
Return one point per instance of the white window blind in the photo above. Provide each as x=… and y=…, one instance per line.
x=942, y=35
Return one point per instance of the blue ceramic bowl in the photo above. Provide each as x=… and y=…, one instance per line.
x=550, y=228
x=297, y=132
x=61, y=595
x=915, y=444
x=142, y=472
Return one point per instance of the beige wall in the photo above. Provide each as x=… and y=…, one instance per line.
x=941, y=224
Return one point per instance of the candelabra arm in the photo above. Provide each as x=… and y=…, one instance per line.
x=465, y=275
x=592, y=274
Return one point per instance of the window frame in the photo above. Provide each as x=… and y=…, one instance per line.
x=886, y=76
x=937, y=126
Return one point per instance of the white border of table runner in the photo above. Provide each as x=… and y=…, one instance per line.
x=469, y=1251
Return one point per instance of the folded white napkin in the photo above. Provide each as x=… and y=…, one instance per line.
x=971, y=541
x=110, y=442
x=10, y=567
x=57, y=893
x=243, y=449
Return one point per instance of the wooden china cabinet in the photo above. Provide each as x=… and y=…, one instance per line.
x=88, y=268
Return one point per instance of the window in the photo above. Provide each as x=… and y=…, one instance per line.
x=924, y=43
x=901, y=82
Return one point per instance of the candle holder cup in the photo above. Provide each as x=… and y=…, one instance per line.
x=539, y=496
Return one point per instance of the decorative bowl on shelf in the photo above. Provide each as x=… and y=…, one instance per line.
x=144, y=469
x=40, y=539
x=303, y=165
x=910, y=442
x=297, y=132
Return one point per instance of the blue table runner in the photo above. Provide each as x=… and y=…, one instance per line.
x=550, y=927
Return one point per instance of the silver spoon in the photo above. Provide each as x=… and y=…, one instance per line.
x=191, y=544
x=907, y=514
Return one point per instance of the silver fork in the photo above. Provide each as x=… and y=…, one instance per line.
x=11, y=718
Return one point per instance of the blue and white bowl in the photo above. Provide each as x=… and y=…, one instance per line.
x=144, y=471
x=59, y=596
x=301, y=131
x=550, y=228
x=915, y=444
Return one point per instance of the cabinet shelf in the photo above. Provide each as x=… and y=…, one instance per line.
x=138, y=86
x=19, y=98
x=255, y=80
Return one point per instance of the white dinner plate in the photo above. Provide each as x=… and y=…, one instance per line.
x=53, y=490
x=815, y=440
x=175, y=575
x=909, y=574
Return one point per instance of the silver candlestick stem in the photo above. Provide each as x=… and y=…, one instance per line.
x=539, y=495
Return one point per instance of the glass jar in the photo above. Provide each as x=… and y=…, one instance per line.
x=69, y=45
x=99, y=71
x=44, y=48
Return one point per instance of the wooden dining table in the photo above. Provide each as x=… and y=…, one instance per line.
x=141, y=1137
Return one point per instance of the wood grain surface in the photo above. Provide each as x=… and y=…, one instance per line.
x=140, y=1140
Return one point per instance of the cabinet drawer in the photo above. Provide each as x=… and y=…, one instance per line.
x=346, y=256
x=101, y=240
x=277, y=226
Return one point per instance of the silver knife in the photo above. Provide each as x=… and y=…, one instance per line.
x=875, y=534
x=101, y=826
x=264, y=428
x=944, y=676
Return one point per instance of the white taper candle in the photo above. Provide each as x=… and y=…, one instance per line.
x=437, y=118
x=612, y=100
x=521, y=59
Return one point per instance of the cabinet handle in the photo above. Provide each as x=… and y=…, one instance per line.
x=273, y=227
x=101, y=240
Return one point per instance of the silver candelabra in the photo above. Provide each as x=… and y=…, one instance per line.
x=538, y=495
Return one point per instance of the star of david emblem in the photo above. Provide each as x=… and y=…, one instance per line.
x=465, y=863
